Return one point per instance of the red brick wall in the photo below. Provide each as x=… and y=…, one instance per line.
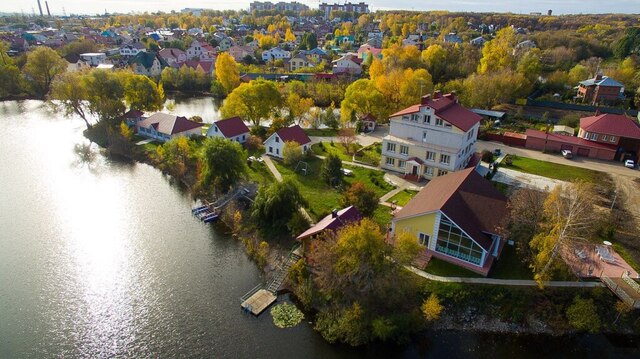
x=555, y=146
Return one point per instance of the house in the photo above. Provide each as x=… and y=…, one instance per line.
x=452, y=38
x=297, y=62
x=526, y=45
x=600, y=89
x=368, y=122
x=330, y=224
x=349, y=63
x=617, y=130
x=542, y=141
x=94, y=58
x=163, y=127
x=240, y=52
x=274, y=145
x=366, y=50
x=374, y=39
x=478, y=41
x=148, y=64
x=197, y=51
x=430, y=139
x=132, y=117
x=232, y=129
x=457, y=218
x=173, y=56
x=349, y=39
x=132, y=49
x=315, y=55
x=208, y=67
x=563, y=130
x=275, y=53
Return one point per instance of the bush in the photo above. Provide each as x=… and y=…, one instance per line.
x=487, y=156
x=292, y=153
x=254, y=144
x=583, y=315
x=286, y=315
x=331, y=171
x=361, y=197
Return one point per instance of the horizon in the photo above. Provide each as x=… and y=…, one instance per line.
x=77, y=7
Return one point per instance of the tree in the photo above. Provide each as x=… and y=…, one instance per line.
x=435, y=57
x=292, y=153
x=497, y=54
x=329, y=119
x=297, y=106
x=70, y=93
x=363, y=97
x=578, y=73
x=431, y=308
x=568, y=215
x=529, y=65
x=583, y=315
x=42, y=66
x=276, y=204
x=9, y=80
x=227, y=72
x=489, y=89
x=254, y=101
x=289, y=36
x=526, y=210
x=224, y=163
x=347, y=137
x=406, y=248
x=628, y=44
x=141, y=93
x=331, y=171
x=361, y=197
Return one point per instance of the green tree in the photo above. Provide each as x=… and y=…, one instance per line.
x=276, y=204
x=224, y=163
x=583, y=315
x=578, y=73
x=628, y=44
x=10, y=80
x=254, y=101
x=329, y=117
x=331, y=171
x=69, y=93
x=529, y=65
x=361, y=197
x=292, y=153
x=497, y=54
x=363, y=97
x=105, y=93
x=297, y=106
x=227, y=72
x=42, y=66
x=141, y=93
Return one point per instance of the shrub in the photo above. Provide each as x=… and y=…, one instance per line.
x=286, y=315
x=583, y=315
x=361, y=197
x=487, y=156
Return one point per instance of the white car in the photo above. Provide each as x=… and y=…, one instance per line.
x=629, y=164
x=347, y=172
x=566, y=154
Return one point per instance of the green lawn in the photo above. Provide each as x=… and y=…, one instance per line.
x=626, y=256
x=321, y=132
x=439, y=267
x=259, y=173
x=324, y=148
x=323, y=198
x=370, y=154
x=382, y=216
x=552, y=170
x=510, y=266
x=403, y=197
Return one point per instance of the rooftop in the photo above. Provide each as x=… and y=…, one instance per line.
x=611, y=124
x=447, y=108
x=169, y=124
x=232, y=127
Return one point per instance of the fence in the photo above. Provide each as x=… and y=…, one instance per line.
x=577, y=107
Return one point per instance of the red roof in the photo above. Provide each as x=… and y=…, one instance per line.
x=293, y=133
x=577, y=141
x=232, y=127
x=447, y=108
x=133, y=114
x=368, y=117
x=469, y=200
x=333, y=222
x=611, y=124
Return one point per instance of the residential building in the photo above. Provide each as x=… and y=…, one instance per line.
x=478, y=41
x=275, y=53
x=359, y=8
x=132, y=49
x=163, y=127
x=349, y=63
x=208, y=67
x=232, y=129
x=374, y=39
x=600, y=89
x=94, y=58
x=452, y=38
x=132, y=117
x=297, y=62
x=329, y=225
x=315, y=55
x=279, y=6
x=430, y=139
x=173, y=56
x=147, y=63
x=369, y=122
x=367, y=50
x=274, y=145
x=240, y=52
x=457, y=218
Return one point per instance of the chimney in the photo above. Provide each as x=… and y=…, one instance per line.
x=598, y=76
x=437, y=94
x=46, y=3
x=334, y=213
x=425, y=99
x=40, y=7
x=452, y=96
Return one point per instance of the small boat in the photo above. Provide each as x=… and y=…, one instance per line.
x=210, y=217
x=200, y=209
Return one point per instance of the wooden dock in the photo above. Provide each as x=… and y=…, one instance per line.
x=259, y=301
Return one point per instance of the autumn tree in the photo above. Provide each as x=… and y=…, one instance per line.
x=254, y=101
x=492, y=88
x=178, y=157
x=141, y=93
x=583, y=315
x=578, y=73
x=406, y=248
x=435, y=57
x=529, y=65
x=497, y=54
x=227, y=72
x=361, y=197
x=568, y=216
x=42, y=66
x=292, y=153
x=363, y=97
x=224, y=163
x=347, y=137
x=10, y=79
x=526, y=210
x=297, y=107
x=431, y=308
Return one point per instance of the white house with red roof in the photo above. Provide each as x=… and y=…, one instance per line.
x=233, y=129
x=430, y=139
x=163, y=127
x=274, y=145
x=348, y=63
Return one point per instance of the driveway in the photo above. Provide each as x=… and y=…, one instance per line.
x=366, y=139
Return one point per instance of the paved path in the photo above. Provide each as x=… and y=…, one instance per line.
x=522, y=179
x=508, y=282
x=278, y=176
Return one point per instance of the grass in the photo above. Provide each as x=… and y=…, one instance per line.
x=439, y=267
x=324, y=148
x=403, y=197
x=626, y=256
x=321, y=132
x=510, y=266
x=259, y=173
x=370, y=154
x=552, y=170
x=382, y=216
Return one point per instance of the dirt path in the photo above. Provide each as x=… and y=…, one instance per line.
x=629, y=188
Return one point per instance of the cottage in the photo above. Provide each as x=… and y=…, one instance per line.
x=457, y=218
x=94, y=58
x=368, y=123
x=173, y=56
x=274, y=145
x=315, y=55
x=163, y=127
x=452, y=38
x=132, y=49
x=297, y=62
x=478, y=41
x=232, y=129
x=132, y=117
x=600, y=89
x=275, y=53
x=349, y=63
x=367, y=50
x=329, y=225
x=240, y=52
x=148, y=64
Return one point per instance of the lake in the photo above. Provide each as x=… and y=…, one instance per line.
x=103, y=259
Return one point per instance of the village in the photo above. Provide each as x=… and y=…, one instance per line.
x=357, y=153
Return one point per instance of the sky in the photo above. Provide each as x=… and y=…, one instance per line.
x=515, y=6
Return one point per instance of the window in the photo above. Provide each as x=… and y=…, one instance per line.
x=586, y=135
x=215, y=128
x=391, y=147
x=431, y=156
x=445, y=159
x=470, y=135
x=441, y=172
x=453, y=242
x=414, y=118
x=424, y=136
x=404, y=150
x=428, y=171
x=427, y=119
x=277, y=151
x=391, y=161
x=439, y=122
x=612, y=139
x=423, y=239
x=401, y=164
x=304, y=148
x=243, y=137
x=593, y=136
x=277, y=139
x=605, y=137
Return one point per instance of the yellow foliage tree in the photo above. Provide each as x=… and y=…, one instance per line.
x=431, y=308
x=227, y=72
x=498, y=53
x=289, y=36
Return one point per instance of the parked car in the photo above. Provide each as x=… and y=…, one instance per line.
x=630, y=164
x=497, y=152
x=566, y=153
x=347, y=172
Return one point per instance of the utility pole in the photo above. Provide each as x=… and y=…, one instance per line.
x=613, y=203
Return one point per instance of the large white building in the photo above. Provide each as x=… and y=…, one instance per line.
x=430, y=139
